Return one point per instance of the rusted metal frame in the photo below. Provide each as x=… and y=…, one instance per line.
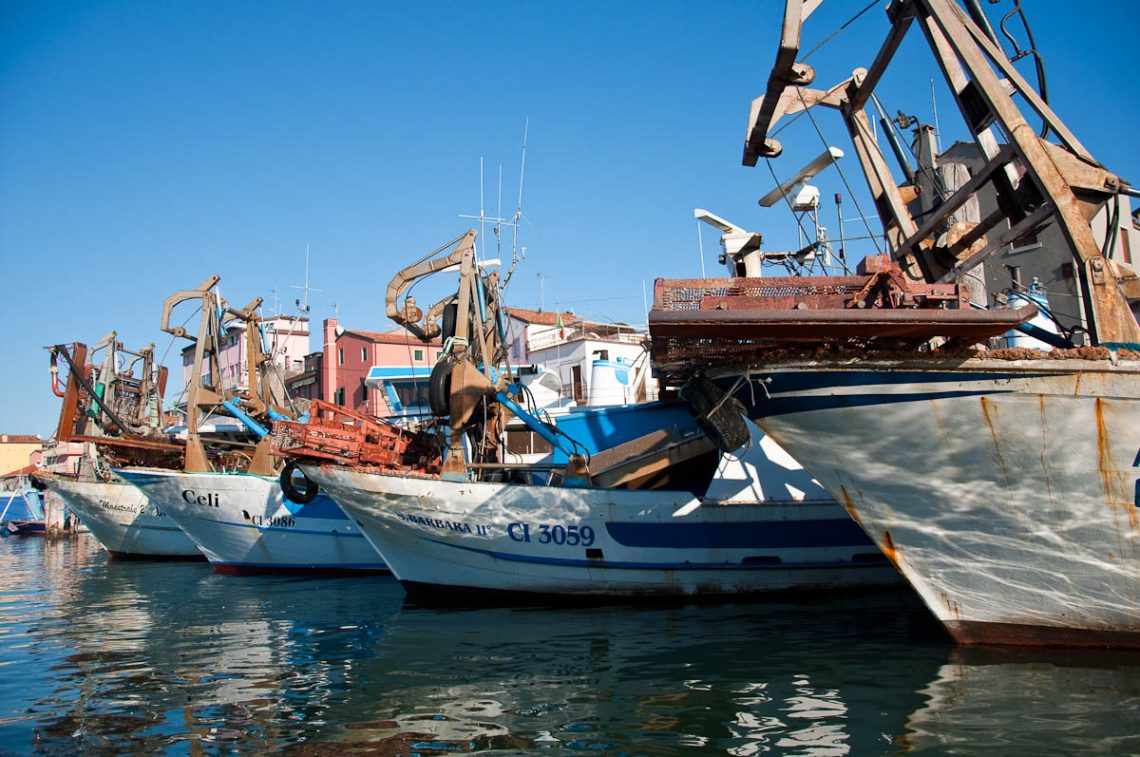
x=1022, y=227
x=782, y=325
x=897, y=221
x=987, y=143
x=196, y=460
x=784, y=72
x=107, y=374
x=999, y=59
x=111, y=441
x=900, y=26
x=911, y=291
x=958, y=199
x=1108, y=317
x=465, y=300
x=65, y=430
x=148, y=386
x=254, y=354
x=77, y=375
x=982, y=228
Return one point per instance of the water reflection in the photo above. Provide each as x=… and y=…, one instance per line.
x=1016, y=700
x=146, y=657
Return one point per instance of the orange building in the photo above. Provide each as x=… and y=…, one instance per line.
x=16, y=451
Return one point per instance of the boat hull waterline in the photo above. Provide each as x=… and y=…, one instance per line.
x=244, y=524
x=1006, y=492
x=602, y=542
x=123, y=520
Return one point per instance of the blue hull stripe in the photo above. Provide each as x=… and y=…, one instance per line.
x=322, y=507
x=782, y=395
x=660, y=566
x=283, y=529
x=308, y=566
x=790, y=534
x=829, y=379
x=776, y=405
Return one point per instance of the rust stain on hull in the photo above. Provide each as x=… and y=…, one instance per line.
x=974, y=632
x=889, y=549
x=989, y=412
x=952, y=606
x=849, y=505
x=1115, y=482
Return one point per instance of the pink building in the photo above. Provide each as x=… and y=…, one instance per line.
x=286, y=342
x=380, y=374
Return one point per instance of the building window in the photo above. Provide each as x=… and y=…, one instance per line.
x=438, y=355
x=418, y=356
x=340, y=356
x=338, y=396
x=412, y=395
x=298, y=365
x=364, y=354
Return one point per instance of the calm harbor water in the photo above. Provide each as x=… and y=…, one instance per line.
x=115, y=658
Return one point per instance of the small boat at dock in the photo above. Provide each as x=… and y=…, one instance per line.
x=27, y=505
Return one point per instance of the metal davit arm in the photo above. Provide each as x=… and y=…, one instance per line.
x=766, y=110
x=181, y=296
x=408, y=315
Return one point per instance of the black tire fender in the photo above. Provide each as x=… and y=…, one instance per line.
x=721, y=418
x=450, y=315
x=439, y=388
x=301, y=496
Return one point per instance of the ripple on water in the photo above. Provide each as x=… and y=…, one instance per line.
x=153, y=657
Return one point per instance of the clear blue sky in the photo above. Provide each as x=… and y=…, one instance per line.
x=147, y=145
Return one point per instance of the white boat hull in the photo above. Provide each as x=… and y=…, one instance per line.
x=1007, y=492
x=123, y=520
x=244, y=524
x=600, y=542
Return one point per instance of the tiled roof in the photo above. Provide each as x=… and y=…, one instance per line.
x=542, y=317
x=26, y=470
x=19, y=439
x=396, y=336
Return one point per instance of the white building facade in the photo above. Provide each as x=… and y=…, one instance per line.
x=599, y=363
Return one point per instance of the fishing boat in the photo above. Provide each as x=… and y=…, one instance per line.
x=102, y=400
x=243, y=523
x=635, y=501
x=26, y=527
x=225, y=494
x=1003, y=483
x=25, y=503
x=122, y=518
x=543, y=539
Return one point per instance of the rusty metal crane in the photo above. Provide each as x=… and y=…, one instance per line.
x=1037, y=182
